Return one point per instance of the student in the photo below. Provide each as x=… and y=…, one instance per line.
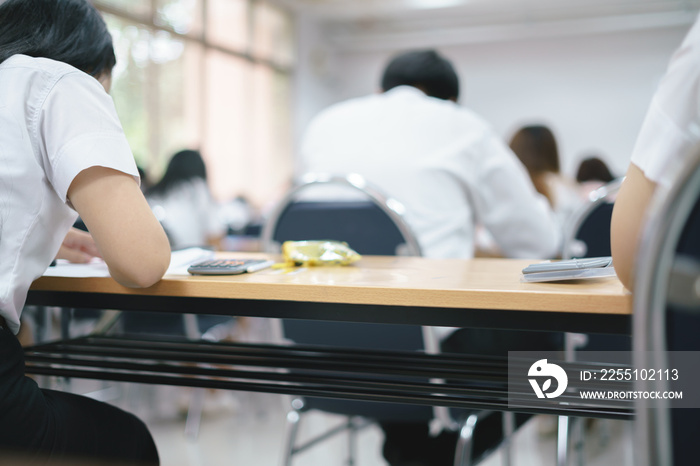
x=184, y=205
x=668, y=135
x=450, y=170
x=442, y=161
x=536, y=147
x=63, y=153
x=595, y=170
x=592, y=173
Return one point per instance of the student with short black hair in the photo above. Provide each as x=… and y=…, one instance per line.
x=423, y=69
x=442, y=161
x=63, y=153
x=450, y=170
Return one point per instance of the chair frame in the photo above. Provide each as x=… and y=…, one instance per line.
x=353, y=424
x=668, y=214
x=393, y=208
x=595, y=198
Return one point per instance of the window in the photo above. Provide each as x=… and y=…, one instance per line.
x=212, y=75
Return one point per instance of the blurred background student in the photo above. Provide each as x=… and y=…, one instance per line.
x=593, y=173
x=449, y=169
x=536, y=147
x=182, y=202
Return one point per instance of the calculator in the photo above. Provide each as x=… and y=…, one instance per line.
x=228, y=266
x=569, y=265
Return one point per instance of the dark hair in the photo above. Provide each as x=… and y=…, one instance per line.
x=69, y=31
x=593, y=169
x=425, y=70
x=183, y=166
x=536, y=148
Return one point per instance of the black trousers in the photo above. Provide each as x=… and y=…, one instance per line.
x=40, y=426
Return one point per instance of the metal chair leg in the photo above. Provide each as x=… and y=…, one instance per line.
x=562, y=441
x=577, y=439
x=293, y=418
x=465, y=441
x=194, y=414
x=352, y=441
x=508, y=431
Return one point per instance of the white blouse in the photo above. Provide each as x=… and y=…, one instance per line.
x=55, y=121
x=671, y=129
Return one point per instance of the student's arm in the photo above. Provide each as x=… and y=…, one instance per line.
x=78, y=247
x=128, y=236
x=628, y=217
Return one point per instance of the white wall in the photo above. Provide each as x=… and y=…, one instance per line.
x=592, y=90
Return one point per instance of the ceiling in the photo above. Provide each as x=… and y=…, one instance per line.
x=480, y=9
x=363, y=23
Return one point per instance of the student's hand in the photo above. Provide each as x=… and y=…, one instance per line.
x=78, y=247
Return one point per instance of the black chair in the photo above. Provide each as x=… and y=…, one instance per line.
x=373, y=225
x=588, y=235
x=585, y=233
x=666, y=319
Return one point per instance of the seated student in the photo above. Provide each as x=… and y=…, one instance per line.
x=592, y=174
x=441, y=160
x=593, y=169
x=451, y=171
x=668, y=135
x=536, y=147
x=182, y=202
x=63, y=153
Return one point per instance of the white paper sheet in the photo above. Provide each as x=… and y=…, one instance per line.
x=97, y=268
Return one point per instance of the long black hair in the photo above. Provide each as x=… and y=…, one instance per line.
x=70, y=31
x=183, y=166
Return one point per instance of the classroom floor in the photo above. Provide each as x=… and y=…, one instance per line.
x=242, y=428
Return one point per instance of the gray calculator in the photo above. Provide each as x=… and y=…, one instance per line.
x=228, y=266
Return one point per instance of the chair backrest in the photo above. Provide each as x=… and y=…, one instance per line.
x=667, y=313
x=587, y=234
x=373, y=225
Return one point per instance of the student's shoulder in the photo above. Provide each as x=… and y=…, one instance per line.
x=39, y=65
x=44, y=73
x=349, y=106
x=463, y=117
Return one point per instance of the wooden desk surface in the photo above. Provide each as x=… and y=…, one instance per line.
x=393, y=281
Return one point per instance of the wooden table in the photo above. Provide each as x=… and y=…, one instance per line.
x=483, y=293
x=448, y=292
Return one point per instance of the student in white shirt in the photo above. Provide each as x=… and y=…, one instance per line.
x=443, y=162
x=63, y=153
x=450, y=170
x=182, y=202
x=536, y=147
x=670, y=132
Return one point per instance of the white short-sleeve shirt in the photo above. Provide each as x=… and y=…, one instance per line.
x=671, y=129
x=444, y=163
x=55, y=121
